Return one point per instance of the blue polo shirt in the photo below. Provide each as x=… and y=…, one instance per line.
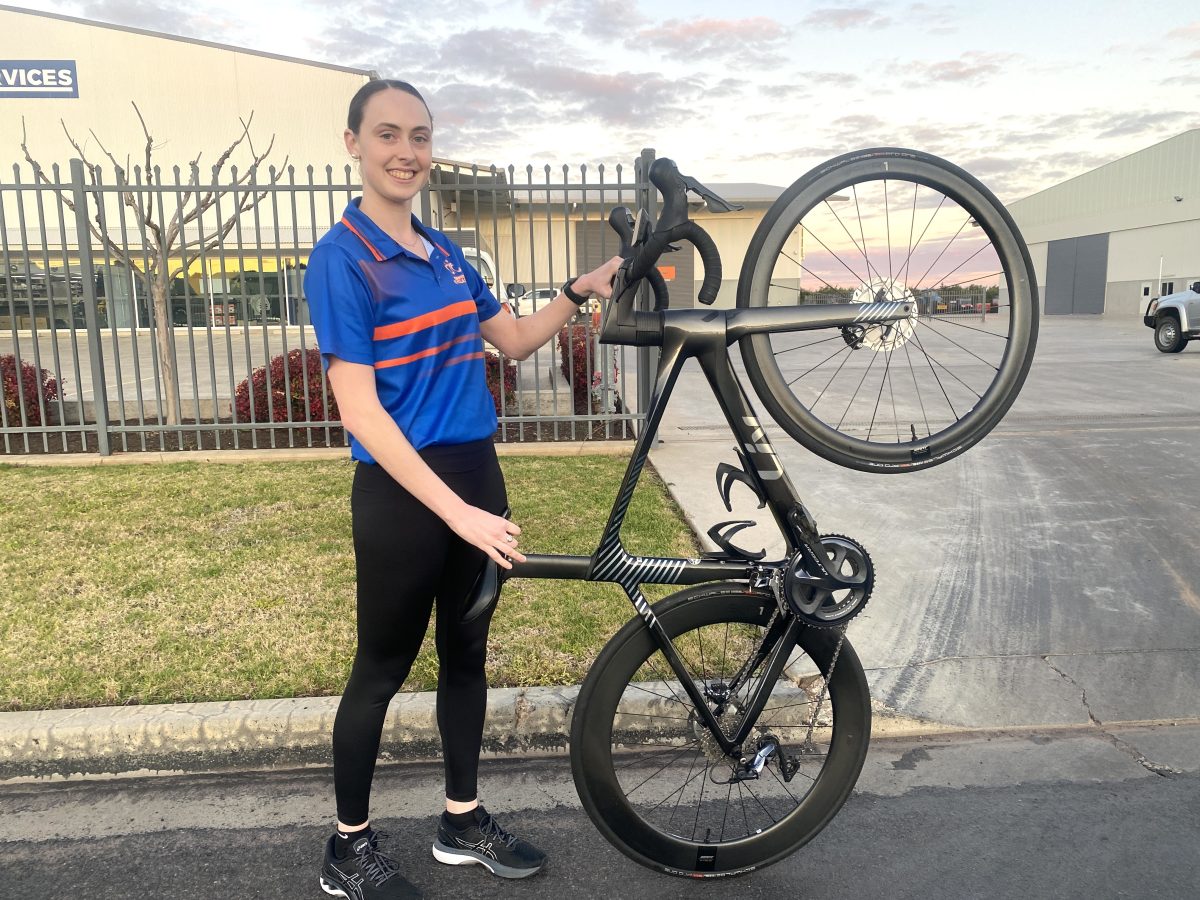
x=415, y=321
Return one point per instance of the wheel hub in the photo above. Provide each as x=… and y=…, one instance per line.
x=888, y=335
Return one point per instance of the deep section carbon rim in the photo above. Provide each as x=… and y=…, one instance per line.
x=658, y=785
x=892, y=226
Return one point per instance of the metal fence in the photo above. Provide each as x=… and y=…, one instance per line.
x=148, y=311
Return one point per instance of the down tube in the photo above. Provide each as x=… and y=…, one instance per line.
x=763, y=466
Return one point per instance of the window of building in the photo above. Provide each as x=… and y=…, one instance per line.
x=1168, y=287
x=1145, y=290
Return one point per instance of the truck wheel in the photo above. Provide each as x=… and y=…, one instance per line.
x=1168, y=337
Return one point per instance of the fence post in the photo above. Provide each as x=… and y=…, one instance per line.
x=647, y=357
x=83, y=239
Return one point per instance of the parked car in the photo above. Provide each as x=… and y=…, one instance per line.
x=531, y=301
x=1175, y=318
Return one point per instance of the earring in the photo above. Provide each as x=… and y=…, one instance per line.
x=355, y=158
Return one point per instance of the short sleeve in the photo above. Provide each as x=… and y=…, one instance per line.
x=485, y=301
x=340, y=305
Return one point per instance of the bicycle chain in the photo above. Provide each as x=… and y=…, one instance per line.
x=812, y=724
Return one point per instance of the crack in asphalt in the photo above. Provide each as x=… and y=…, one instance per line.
x=1162, y=771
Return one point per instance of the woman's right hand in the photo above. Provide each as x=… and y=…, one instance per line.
x=494, y=535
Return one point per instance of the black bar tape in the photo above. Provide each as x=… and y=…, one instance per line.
x=711, y=259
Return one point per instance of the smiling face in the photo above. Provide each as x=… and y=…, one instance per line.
x=394, y=145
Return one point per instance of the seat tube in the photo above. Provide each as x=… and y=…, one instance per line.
x=764, y=467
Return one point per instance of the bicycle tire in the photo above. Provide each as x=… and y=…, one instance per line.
x=943, y=412
x=612, y=733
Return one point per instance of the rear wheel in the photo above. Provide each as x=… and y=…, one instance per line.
x=659, y=787
x=891, y=225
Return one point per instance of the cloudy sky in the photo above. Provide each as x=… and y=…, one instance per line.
x=1023, y=94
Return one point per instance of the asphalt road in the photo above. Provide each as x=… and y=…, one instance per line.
x=1047, y=576
x=1041, y=814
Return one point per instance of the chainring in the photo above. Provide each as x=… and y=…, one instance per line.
x=839, y=607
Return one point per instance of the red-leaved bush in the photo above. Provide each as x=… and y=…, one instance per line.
x=510, y=383
x=293, y=397
x=586, y=381
x=34, y=382
x=287, y=397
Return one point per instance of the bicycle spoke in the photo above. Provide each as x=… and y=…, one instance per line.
x=941, y=281
x=845, y=350
x=699, y=803
x=943, y=367
x=944, y=249
x=680, y=753
x=853, y=240
x=814, y=236
x=933, y=371
x=971, y=280
x=854, y=396
x=641, y=760
x=836, y=337
x=918, y=393
x=887, y=220
x=861, y=233
x=682, y=789
x=913, y=248
x=960, y=346
x=674, y=698
x=725, y=815
x=1003, y=337
x=911, y=227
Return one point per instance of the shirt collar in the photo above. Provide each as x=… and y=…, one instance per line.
x=378, y=242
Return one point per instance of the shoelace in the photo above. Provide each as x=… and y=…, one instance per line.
x=491, y=828
x=375, y=865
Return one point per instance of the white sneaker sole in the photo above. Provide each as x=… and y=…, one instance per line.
x=467, y=858
x=331, y=890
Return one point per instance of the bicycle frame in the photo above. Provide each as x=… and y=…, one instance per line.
x=706, y=335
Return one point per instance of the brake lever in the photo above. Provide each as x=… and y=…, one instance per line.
x=715, y=203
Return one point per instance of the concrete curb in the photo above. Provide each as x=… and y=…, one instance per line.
x=245, y=735
x=293, y=454
x=256, y=734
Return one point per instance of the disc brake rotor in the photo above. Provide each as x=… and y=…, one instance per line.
x=884, y=336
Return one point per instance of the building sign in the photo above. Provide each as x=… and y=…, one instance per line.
x=38, y=78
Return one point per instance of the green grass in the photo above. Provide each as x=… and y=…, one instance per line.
x=192, y=581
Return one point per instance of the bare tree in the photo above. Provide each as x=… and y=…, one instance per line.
x=164, y=234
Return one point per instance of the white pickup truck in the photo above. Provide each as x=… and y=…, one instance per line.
x=1175, y=318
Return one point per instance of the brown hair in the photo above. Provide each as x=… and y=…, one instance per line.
x=359, y=101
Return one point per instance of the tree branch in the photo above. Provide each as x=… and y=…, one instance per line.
x=39, y=174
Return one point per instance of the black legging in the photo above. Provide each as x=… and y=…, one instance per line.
x=406, y=557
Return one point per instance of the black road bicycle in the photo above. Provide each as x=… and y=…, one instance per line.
x=723, y=727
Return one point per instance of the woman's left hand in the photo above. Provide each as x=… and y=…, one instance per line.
x=599, y=281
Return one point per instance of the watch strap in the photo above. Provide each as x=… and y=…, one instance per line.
x=572, y=295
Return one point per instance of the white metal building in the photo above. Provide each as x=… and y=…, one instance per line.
x=1107, y=241
x=191, y=93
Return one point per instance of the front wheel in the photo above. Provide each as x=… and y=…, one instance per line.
x=1168, y=336
x=655, y=782
x=891, y=226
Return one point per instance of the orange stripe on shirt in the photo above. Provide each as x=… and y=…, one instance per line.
x=420, y=323
x=378, y=256
x=465, y=358
x=402, y=360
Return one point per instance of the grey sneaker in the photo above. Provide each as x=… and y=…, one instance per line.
x=487, y=844
x=364, y=873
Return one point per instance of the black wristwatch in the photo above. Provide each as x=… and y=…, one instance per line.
x=577, y=299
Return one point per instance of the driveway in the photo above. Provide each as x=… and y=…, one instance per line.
x=1050, y=575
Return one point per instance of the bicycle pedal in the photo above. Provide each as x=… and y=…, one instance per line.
x=788, y=766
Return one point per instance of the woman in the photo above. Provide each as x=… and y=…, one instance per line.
x=400, y=318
